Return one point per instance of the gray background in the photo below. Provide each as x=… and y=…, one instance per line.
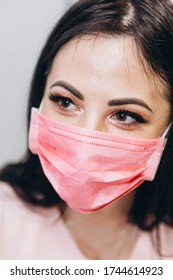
x=24, y=27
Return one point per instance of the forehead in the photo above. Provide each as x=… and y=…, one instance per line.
x=104, y=62
x=97, y=53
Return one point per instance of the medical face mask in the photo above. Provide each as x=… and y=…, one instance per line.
x=91, y=169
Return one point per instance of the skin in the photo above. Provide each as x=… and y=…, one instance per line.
x=98, y=83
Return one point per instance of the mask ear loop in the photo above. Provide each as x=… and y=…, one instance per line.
x=165, y=133
x=40, y=107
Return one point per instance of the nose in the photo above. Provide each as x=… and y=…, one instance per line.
x=94, y=122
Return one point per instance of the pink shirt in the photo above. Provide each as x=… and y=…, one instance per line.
x=32, y=232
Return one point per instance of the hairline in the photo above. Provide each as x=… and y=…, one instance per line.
x=151, y=75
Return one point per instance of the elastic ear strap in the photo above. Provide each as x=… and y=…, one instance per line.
x=165, y=133
x=40, y=107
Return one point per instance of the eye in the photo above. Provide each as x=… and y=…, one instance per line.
x=127, y=118
x=64, y=103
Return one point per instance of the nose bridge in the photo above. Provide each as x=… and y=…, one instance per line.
x=93, y=120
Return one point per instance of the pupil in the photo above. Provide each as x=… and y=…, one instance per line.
x=121, y=116
x=66, y=103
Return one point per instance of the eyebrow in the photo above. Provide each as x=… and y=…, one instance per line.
x=68, y=87
x=129, y=101
x=113, y=102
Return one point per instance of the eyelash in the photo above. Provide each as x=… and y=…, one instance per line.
x=138, y=118
x=57, y=98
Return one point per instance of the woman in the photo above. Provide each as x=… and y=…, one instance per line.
x=101, y=99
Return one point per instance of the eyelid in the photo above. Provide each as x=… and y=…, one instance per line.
x=129, y=111
x=69, y=88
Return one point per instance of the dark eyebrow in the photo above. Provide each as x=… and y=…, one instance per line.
x=68, y=87
x=114, y=102
x=128, y=101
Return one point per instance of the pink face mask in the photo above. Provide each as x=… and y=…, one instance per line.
x=91, y=169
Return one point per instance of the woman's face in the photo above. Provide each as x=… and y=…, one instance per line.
x=98, y=83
